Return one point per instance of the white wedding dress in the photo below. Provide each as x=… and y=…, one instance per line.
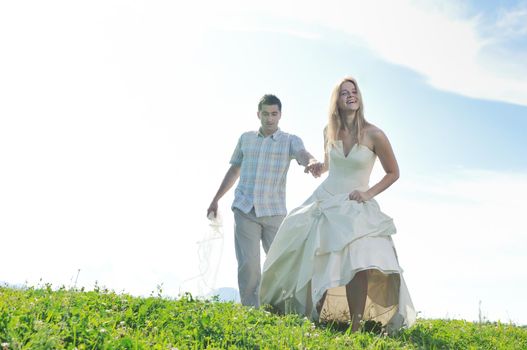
x=323, y=243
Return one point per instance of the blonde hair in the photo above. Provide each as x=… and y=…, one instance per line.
x=335, y=122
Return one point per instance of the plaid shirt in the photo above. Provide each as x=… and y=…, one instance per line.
x=264, y=163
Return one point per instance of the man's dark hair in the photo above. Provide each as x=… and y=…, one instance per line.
x=269, y=100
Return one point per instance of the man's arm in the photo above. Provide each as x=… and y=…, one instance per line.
x=299, y=153
x=230, y=178
x=305, y=158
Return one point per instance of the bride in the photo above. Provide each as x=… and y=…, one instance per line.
x=333, y=258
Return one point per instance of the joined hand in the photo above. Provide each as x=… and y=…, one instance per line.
x=315, y=169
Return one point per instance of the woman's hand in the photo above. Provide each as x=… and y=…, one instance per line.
x=360, y=196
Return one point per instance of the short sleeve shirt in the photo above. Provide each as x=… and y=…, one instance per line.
x=264, y=162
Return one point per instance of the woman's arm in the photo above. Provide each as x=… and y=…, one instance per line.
x=318, y=169
x=383, y=149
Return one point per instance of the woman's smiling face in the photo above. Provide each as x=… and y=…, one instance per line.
x=348, y=98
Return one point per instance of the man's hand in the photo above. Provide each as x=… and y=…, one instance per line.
x=213, y=208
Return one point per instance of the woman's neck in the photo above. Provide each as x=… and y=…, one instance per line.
x=348, y=119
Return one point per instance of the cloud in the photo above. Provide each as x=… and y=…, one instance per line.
x=512, y=23
x=453, y=47
x=447, y=48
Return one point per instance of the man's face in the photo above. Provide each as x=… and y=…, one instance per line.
x=269, y=116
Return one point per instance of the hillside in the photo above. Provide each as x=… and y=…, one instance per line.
x=44, y=318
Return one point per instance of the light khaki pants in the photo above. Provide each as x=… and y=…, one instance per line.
x=248, y=231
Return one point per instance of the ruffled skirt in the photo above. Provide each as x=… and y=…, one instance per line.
x=320, y=247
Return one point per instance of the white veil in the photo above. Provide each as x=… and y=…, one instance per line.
x=209, y=254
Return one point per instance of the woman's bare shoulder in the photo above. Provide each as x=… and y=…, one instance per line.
x=373, y=132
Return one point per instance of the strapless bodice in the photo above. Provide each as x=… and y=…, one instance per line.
x=351, y=172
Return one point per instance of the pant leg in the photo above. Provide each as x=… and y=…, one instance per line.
x=247, y=235
x=270, y=227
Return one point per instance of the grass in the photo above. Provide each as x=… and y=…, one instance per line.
x=43, y=318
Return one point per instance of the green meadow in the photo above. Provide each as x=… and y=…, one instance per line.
x=48, y=318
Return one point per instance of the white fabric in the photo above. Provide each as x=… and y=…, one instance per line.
x=322, y=244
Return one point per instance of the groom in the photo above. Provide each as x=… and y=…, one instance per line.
x=260, y=160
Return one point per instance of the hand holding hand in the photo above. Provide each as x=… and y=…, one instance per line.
x=309, y=166
x=359, y=196
x=315, y=169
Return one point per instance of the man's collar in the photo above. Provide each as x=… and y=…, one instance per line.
x=274, y=135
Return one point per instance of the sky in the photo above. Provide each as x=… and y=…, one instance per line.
x=118, y=120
